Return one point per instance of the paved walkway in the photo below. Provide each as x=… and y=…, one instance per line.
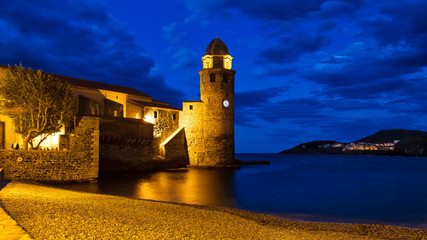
x=9, y=229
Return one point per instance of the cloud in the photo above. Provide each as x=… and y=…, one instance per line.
x=256, y=98
x=276, y=10
x=395, y=22
x=283, y=10
x=368, y=90
x=185, y=58
x=304, y=108
x=289, y=49
x=172, y=33
x=264, y=10
x=182, y=50
x=365, y=64
x=80, y=39
x=338, y=9
x=247, y=104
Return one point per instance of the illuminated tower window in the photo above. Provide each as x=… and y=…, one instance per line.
x=227, y=62
x=207, y=62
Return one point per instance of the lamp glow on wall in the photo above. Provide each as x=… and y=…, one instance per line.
x=149, y=118
x=51, y=142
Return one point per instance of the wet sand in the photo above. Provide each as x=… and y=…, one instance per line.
x=50, y=213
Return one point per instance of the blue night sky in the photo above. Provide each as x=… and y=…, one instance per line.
x=306, y=70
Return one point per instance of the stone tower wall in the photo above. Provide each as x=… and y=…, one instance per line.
x=217, y=85
x=191, y=118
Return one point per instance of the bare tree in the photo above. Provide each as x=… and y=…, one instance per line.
x=38, y=102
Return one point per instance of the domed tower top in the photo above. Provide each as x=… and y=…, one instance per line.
x=217, y=55
x=217, y=47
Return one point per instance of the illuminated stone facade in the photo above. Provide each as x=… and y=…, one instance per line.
x=137, y=131
x=209, y=123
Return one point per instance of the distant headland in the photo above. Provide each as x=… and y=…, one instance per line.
x=385, y=142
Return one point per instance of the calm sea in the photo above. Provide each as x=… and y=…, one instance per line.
x=334, y=188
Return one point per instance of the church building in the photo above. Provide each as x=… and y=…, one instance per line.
x=202, y=132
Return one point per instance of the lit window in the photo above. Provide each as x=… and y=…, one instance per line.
x=227, y=62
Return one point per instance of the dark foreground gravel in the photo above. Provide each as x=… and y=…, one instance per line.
x=50, y=213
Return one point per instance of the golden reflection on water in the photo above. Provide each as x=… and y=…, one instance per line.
x=194, y=186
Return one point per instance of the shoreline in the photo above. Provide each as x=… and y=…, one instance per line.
x=323, y=219
x=353, y=152
x=46, y=212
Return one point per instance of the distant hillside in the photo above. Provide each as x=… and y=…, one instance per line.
x=314, y=148
x=387, y=136
x=412, y=143
x=412, y=146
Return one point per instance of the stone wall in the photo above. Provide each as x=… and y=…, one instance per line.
x=165, y=122
x=58, y=166
x=134, y=111
x=80, y=163
x=176, y=149
x=128, y=145
x=191, y=119
x=107, y=145
x=125, y=145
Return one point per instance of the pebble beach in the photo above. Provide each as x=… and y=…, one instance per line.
x=51, y=213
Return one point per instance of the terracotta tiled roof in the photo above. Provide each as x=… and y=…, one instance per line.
x=97, y=85
x=156, y=104
x=104, y=86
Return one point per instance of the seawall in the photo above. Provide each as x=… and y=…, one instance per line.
x=79, y=164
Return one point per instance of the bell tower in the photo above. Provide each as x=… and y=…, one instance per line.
x=209, y=123
x=217, y=95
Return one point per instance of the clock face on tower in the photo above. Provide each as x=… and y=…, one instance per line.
x=225, y=103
